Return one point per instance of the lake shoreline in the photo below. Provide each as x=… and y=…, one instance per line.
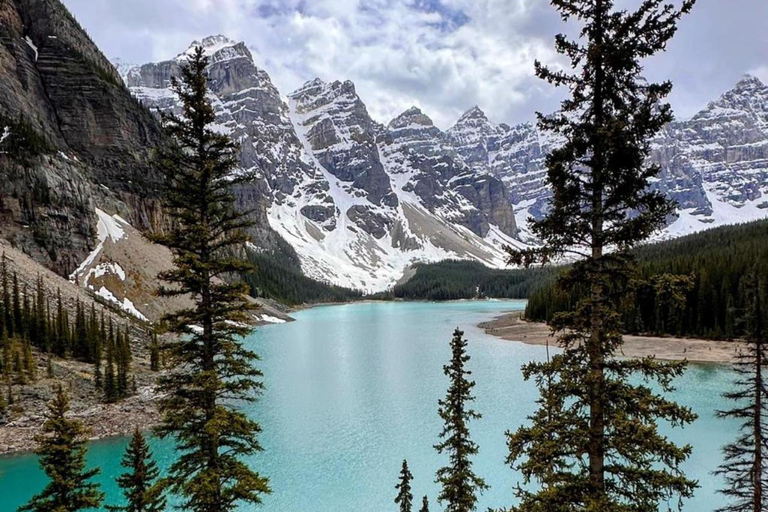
x=512, y=327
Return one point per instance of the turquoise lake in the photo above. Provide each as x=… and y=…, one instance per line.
x=353, y=389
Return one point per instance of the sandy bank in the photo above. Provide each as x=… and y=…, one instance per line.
x=511, y=327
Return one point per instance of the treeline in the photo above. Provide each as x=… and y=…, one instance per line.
x=691, y=286
x=278, y=280
x=32, y=320
x=461, y=279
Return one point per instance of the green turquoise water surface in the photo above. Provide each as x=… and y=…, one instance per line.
x=353, y=389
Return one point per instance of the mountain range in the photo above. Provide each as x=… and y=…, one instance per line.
x=359, y=200
x=346, y=198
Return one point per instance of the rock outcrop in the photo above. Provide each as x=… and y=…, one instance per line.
x=72, y=137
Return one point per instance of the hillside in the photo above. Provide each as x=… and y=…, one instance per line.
x=721, y=261
x=454, y=279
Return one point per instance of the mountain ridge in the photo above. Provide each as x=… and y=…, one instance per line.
x=360, y=200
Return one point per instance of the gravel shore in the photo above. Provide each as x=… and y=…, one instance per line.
x=512, y=327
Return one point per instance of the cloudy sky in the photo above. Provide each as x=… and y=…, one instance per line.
x=441, y=55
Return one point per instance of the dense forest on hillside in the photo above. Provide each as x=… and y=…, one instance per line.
x=718, y=262
x=33, y=323
x=276, y=279
x=459, y=279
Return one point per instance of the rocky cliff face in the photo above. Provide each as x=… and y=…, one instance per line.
x=71, y=137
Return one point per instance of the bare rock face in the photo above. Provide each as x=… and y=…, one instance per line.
x=720, y=155
x=443, y=179
x=250, y=110
x=342, y=137
x=72, y=137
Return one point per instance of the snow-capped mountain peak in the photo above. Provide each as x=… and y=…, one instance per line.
x=748, y=97
x=210, y=45
x=473, y=114
x=412, y=117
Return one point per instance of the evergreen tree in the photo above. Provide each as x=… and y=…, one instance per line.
x=26, y=314
x=404, y=495
x=30, y=365
x=61, y=344
x=140, y=485
x=6, y=342
x=460, y=485
x=594, y=443
x=41, y=317
x=94, y=340
x=122, y=355
x=17, y=316
x=3, y=405
x=424, y=504
x=62, y=448
x=110, y=382
x=199, y=409
x=154, y=353
x=7, y=309
x=744, y=468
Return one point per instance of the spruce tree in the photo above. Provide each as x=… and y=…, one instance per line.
x=744, y=469
x=61, y=343
x=122, y=356
x=7, y=308
x=62, y=448
x=3, y=405
x=460, y=485
x=140, y=485
x=214, y=371
x=404, y=496
x=41, y=317
x=154, y=353
x=424, y=504
x=110, y=381
x=594, y=443
x=17, y=316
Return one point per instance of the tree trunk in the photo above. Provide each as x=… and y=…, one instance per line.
x=757, y=470
x=595, y=343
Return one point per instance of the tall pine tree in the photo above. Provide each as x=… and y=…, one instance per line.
x=594, y=443
x=404, y=498
x=744, y=468
x=215, y=371
x=140, y=485
x=460, y=484
x=424, y=504
x=62, y=448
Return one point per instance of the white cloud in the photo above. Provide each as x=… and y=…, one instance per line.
x=441, y=55
x=760, y=72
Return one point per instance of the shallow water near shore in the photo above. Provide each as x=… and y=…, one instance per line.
x=352, y=390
